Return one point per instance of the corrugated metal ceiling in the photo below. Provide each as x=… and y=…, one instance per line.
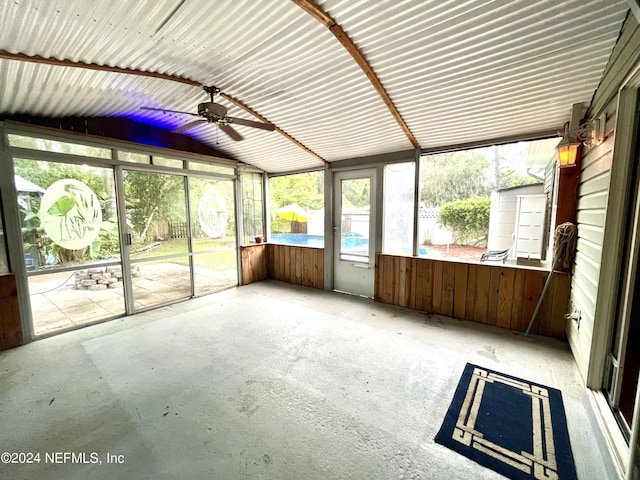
x=458, y=71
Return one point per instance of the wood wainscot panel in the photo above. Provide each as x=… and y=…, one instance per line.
x=499, y=295
x=10, y=322
x=254, y=263
x=296, y=264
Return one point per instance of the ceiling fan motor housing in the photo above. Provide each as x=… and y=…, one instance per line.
x=211, y=110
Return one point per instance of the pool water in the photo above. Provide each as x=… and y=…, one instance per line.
x=299, y=239
x=348, y=242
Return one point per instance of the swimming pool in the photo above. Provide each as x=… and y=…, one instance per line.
x=352, y=242
x=298, y=239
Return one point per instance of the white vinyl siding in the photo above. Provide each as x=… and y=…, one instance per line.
x=590, y=218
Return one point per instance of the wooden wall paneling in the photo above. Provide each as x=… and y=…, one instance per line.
x=282, y=263
x=286, y=253
x=294, y=253
x=301, y=256
x=309, y=256
x=387, y=292
x=319, y=267
x=414, y=282
x=533, y=283
x=481, y=304
x=427, y=286
x=494, y=287
x=518, y=299
x=277, y=259
x=561, y=291
x=404, y=281
x=436, y=279
x=273, y=261
x=307, y=266
x=395, y=275
x=10, y=322
x=421, y=273
x=472, y=275
x=492, y=294
x=247, y=278
x=460, y=290
x=254, y=263
x=544, y=321
x=265, y=262
x=448, y=285
x=505, y=297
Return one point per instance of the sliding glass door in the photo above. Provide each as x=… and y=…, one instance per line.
x=108, y=232
x=213, y=234
x=70, y=241
x=158, y=237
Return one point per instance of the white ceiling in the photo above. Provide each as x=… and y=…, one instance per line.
x=457, y=70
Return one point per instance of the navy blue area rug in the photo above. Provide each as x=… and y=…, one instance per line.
x=515, y=427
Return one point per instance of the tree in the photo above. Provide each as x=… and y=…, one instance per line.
x=304, y=189
x=453, y=176
x=154, y=196
x=508, y=165
x=356, y=192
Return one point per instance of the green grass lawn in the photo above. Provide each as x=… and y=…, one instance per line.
x=222, y=259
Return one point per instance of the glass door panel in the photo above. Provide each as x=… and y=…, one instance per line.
x=71, y=243
x=354, y=232
x=158, y=231
x=355, y=206
x=214, y=234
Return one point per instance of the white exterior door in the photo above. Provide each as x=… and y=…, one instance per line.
x=530, y=226
x=354, y=232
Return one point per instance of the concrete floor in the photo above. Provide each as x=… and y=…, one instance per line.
x=267, y=381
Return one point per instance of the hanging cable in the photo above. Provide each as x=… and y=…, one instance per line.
x=55, y=288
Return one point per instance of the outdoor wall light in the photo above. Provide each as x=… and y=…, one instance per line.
x=571, y=139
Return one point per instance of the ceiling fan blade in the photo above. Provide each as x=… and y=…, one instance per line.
x=229, y=130
x=251, y=123
x=171, y=111
x=188, y=126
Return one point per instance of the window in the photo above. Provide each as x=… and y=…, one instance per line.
x=134, y=157
x=166, y=162
x=56, y=146
x=252, y=206
x=471, y=201
x=398, y=208
x=211, y=168
x=297, y=213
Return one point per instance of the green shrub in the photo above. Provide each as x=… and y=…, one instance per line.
x=468, y=219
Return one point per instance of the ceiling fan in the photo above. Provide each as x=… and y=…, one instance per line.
x=212, y=112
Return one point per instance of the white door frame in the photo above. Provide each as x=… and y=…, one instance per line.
x=350, y=274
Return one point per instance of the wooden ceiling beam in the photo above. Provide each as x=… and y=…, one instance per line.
x=316, y=12
x=247, y=109
x=21, y=57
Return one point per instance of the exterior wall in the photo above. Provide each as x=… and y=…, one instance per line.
x=590, y=218
x=593, y=196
